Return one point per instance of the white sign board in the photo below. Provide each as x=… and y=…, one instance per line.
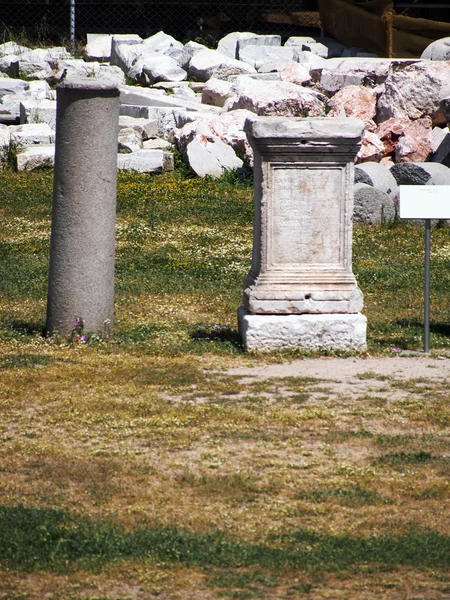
x=424, y=201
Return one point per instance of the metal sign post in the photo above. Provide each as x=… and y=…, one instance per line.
x=426, y=291
x=425, y=202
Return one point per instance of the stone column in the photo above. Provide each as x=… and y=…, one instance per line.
x=301, y=291
x=81, y=273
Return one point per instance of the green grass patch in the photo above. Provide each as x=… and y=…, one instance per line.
x=35, y=539
x=187, y=236
x=140, y=466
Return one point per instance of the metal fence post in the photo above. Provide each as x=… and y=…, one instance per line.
x=72, y=25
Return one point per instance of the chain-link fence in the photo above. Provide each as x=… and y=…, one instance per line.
x=43, y=21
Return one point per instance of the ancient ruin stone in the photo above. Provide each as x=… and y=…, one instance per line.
x=413, y=89
x=355, y=101
x=272, y=98
x=372, y=148
x=414, y=145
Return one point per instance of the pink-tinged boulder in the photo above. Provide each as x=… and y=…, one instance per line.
x=414, y=90
x=277, y=98
x=387, y=161
x=372, y=148
x=295, y=73
x=217, y=91
x=335, y=73
x=355, y=101
x=406, y=139
x=415, y=143
x=227, y=127
x=390, y=131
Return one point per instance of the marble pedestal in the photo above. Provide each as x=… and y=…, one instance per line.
x=301, y=290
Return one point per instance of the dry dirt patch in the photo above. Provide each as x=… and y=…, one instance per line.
x=355, y=376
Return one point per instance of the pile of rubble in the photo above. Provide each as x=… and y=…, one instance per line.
x=197, y=99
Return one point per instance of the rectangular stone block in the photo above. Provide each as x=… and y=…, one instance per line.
x=266, y=333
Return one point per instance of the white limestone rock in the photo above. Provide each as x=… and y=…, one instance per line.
x=276, y=67
x=157, y=144
x=12, y=105
x=257, y=40
x=235, y=41
x=189, y=50
x=73, y=68
x=153, y=97
x=299, y=40
x=145, y=128
x=438, y=135
x=146, y=161
x=13, y=48
x=35, y=70
x=337, y=73
x=11, y=114
x=129, y=140
x=12, y=86
x=187, y=93
x=217, y=91
x=295, y=73
x=39, y=90
x=211, y=63
x=271, y=98
x=414, y=89
x=167, y=119
x=438, y=50
x=30, y=134
x=48, y=55
x=313, y=63
x=264, y=333
x=205, y=157
x=36, y=157
x=161, y=42
x=441, y=146
x=98, y=47
x=258, y=56
x=39, y=63
x=154, y=67
x=40, y=111
x=125, y=49
x=316, y=48
x=9, y=65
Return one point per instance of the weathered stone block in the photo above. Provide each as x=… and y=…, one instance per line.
x=328, y=331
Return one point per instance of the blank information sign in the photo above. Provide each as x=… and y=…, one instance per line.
x=424, y=201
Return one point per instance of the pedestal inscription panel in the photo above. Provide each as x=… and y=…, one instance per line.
x=305, y=221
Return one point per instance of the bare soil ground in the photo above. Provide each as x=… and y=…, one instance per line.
x=355, y=376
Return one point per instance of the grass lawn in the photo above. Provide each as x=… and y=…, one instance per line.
x=139, y=468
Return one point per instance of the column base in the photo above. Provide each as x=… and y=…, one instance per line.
x=331, y=331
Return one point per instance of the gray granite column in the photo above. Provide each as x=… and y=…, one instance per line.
x=301, y=291
x=81, y=273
